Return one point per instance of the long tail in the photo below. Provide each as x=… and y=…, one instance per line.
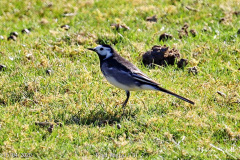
x=174, y=94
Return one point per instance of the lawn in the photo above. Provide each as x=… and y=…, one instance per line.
x=56, y=104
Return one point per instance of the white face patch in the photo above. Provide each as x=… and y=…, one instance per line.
x=103, y=51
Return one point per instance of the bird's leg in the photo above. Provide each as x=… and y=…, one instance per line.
x=128, y=95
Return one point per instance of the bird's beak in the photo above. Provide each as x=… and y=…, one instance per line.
x=92, y=49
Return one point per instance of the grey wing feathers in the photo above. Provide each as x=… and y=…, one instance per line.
x=143, y=78
x=136, y=73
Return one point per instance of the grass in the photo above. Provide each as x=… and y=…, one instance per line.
x=76, y=94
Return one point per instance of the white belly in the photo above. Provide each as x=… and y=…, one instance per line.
x=114, y=82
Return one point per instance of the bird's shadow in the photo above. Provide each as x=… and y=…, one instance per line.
x=101, y=117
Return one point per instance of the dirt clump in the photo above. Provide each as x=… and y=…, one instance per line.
x=160, y=55
x=193, y=32
x=165, y=36
x=182, y=63
x=184, y=31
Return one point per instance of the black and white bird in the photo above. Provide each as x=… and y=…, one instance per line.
x=124, y=75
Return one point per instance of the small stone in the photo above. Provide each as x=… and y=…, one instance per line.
x=14, y=34
x=119, y=26
x=69, y=14
x=205, y=29
x=152, y=19
x=2, y=67
x=191, y=9
x=50, y=129
x=25, y=31
x=29, y=56
x=222, y=20
x=11, y=58
x=49, y=71
x=12, y=37
x=66, y=27
x=222, y=94
x=185, y=26
x=119, y=126
x=165, y=36
x=193, y=70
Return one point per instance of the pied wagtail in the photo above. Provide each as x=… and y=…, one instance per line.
x=124, y=75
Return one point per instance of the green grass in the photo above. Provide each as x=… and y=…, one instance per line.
x=77, y=95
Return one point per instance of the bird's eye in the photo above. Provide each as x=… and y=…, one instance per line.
x=101, y=49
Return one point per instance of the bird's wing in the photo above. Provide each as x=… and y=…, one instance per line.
x=143, y=78
x=136, y=72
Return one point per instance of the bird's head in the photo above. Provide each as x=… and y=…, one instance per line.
x=103, y=51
